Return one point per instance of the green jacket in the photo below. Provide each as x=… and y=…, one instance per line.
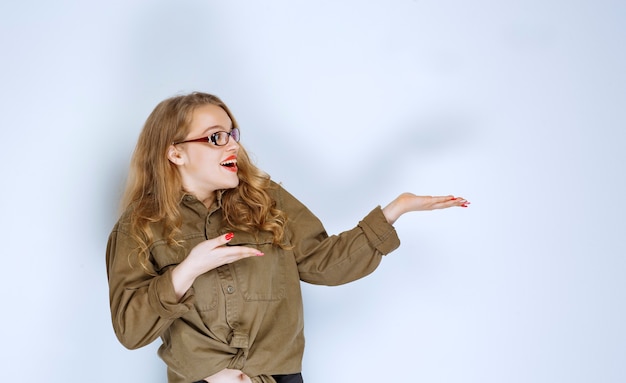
x=246, y=315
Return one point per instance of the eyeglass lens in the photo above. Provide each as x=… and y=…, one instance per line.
x=221, y=138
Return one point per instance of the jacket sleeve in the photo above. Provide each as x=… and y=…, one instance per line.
x=142, y=305
x=337, y=259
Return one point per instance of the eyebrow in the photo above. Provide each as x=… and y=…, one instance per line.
x=207, y=130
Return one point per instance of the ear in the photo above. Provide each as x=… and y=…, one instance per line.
x=175, y=156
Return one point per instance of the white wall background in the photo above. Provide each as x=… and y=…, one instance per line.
x=518, y=106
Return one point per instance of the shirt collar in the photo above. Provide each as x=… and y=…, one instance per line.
x=190, y=200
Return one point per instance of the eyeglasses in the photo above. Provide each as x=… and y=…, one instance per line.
x=220, y=138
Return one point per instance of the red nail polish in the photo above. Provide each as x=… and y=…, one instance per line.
x=229, y=236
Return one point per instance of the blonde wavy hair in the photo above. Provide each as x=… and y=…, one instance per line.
x=154, y=188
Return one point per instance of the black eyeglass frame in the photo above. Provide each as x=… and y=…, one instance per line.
x=213, y=138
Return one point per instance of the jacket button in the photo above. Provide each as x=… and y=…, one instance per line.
x=230, y=289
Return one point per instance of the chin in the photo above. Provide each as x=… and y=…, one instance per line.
x=232, y=185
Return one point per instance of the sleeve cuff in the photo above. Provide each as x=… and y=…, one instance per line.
x=380, y=233
x=162, y=297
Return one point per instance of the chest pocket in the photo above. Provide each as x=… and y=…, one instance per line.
x=260, y=278
x=165, y=256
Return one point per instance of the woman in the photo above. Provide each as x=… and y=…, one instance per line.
x=209, y=253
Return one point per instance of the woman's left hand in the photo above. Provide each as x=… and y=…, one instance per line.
x=228, y=376
x=407, y=202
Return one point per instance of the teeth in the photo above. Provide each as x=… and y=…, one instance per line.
x=229, y=163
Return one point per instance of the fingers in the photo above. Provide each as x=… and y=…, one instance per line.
x=236, y=251
x=243, y=252
x=208, y=255
x=455, y=201
x=224, y=239
x=214, y=252
x=229, y=254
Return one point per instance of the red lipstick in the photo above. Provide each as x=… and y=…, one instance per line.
x=230, y=163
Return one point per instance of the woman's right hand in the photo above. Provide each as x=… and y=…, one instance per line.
x=229, y=376
x=206, y=256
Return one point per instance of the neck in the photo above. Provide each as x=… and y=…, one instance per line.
x=207, y=198
x=208, y=201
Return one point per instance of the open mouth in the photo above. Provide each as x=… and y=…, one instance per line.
x=230, y=163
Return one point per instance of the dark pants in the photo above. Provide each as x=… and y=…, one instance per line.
x=291, y=378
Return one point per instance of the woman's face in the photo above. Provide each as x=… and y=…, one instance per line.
x=203, y=166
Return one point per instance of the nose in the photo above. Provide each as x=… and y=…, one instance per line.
x=232, y=144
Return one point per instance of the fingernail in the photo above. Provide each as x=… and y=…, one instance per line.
x=229, y=236
x=259, y=254
x=453, y=199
